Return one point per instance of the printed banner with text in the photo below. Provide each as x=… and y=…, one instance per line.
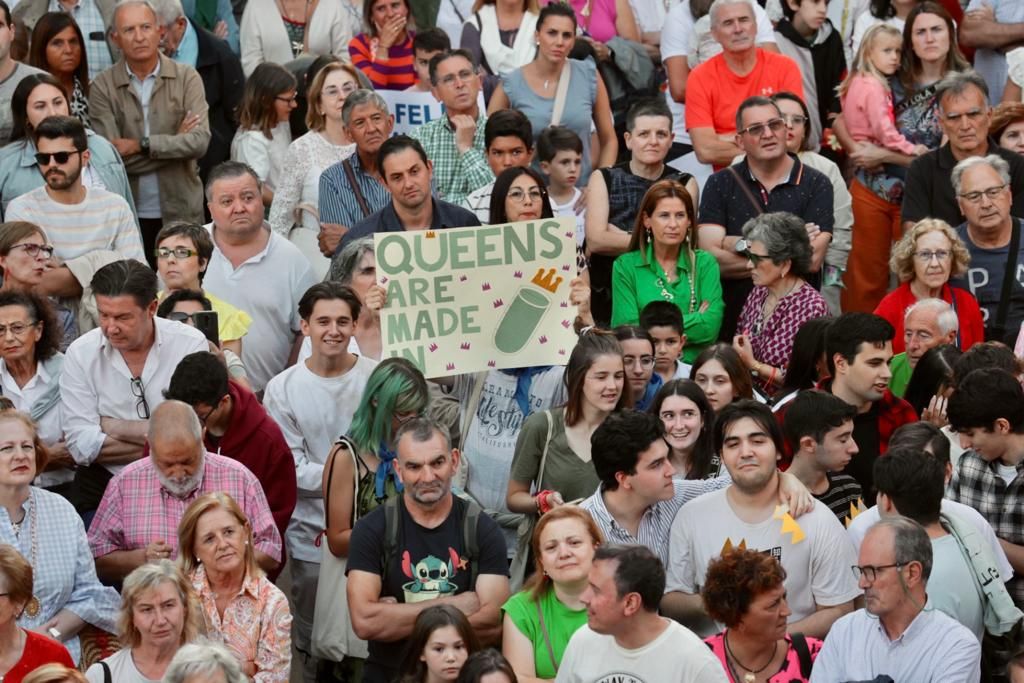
x=471, y=299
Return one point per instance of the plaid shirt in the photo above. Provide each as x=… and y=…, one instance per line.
x=980, y=486
x=136, y=510
x=455, y=174
x=87, y=15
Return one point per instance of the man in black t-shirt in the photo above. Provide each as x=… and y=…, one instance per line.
x=430, y=559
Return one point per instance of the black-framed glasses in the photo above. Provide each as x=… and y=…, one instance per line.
x=179, y=253
x=754, y=257
x=139, y=391
x=870, y=572
x=42, y=158
x=294, y=97
x=17, y=329
x=33, y=250
x=991, y=193
x=758, y=129
x=181, y=317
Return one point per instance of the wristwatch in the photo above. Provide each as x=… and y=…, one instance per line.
x=144, y=144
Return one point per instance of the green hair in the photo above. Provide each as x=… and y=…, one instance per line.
x=394, y=386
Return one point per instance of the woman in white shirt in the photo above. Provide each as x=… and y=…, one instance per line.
x=263, y=132
x=279, y=31
x=294, y=211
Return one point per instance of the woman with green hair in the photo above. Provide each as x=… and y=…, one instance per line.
x=360, y=474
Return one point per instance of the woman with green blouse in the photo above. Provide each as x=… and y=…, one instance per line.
x=540, y=619
x=663, y=265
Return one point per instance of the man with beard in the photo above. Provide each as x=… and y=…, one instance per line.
x=418, y=550
x=77, y=218
x=895, y=637
x=115, y=375
x=814, y=551
x=137, y=521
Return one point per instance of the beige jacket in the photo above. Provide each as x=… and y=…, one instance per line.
x=116, y=112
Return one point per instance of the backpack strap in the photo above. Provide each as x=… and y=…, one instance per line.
x=803, y=653
x=392, y=525
x=469, y=539
x=107, y=678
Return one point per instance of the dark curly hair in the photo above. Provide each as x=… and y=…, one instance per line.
x=40, y=311
x=735, y=579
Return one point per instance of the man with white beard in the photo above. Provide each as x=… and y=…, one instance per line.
x=137, y=521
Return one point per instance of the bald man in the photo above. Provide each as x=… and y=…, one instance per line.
x=137, y=521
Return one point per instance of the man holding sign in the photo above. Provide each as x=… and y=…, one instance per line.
x=407, y=175
x=455, y=142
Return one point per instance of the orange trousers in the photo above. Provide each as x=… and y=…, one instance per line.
x=876, y=226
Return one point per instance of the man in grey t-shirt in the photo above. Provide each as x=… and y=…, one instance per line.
x=994, y=27
x=11, y=72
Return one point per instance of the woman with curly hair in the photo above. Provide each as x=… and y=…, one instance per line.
x=1008, y=125
x=744, y=590
x=924, y=260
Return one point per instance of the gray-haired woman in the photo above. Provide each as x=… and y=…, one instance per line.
x=778, y=255
x=204, y=661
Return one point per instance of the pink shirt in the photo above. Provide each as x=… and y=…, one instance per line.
x=789, y=672
x=256, y=625
x=136, y=510
x=600, y=25
x=867, y=110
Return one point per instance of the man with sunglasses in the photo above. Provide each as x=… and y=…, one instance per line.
x=766, y=180
x=965, y=118
x=898, y=635
x=78, y=218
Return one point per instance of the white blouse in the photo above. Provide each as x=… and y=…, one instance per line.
x=262, y=154
x=307, y=157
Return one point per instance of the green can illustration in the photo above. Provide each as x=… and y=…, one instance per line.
x=525, y=312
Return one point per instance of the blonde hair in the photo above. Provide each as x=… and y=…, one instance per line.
x=862, y=64
x=901, y=262
x=218, y=500
x=148, y=577
x=539, y=582
x=315, y=119
x=55, y=673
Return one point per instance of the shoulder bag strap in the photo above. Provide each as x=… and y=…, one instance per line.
x=475, y=391
x=547, y=639
x=469, y=539
x=360, y=199
x=561, y=93
x=107, y=678
x=544, y=456
x=1008, y=278
x=803, y=653
x=746, y=190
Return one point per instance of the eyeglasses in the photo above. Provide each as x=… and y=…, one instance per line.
x=991, y=193
x=141, y=407
x=335, y=91
x=794, y=119
x=43, y=159
x=519, y=196
x=179, y=253
x=288, y=98
x=754, y=257
x=870, y=572
x=463, y=76
x=17, y=329
x=644, y=361
x=181, y=317
x=926, y=255
x=33, y=250
x=757, y=130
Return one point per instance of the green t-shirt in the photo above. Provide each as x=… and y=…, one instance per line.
x=901, y=372
x=561, y=623
x=564, y=471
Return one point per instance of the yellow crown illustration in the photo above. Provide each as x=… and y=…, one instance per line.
x=547, y=281
x=431, y=234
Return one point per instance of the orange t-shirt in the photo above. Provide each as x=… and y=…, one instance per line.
x=714, y=92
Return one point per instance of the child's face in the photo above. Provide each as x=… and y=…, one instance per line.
x=421, y=62
x=668, y=346
x=564, y=168
x=885, y=54
x=810, y=15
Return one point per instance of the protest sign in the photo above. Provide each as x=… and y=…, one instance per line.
x=478, y=298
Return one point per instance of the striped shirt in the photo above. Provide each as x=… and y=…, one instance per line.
x=337, y=201
x=102, y=221
x=842, y=494
x=397, y=72
x=657, y=519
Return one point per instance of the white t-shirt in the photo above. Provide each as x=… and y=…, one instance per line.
x=122, y=669
x=675, y=655
x=817, y=566
x=268, y=286
x=951, y=586
x=567, y=211
x=677, y=41
x=313, y=411
x=1006, y=472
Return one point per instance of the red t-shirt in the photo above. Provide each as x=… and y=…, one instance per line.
x=714, y=92
x=39, y=650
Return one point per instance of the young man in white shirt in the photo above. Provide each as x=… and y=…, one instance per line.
x=624, y=632
x=508, y=143
x=313, y=403
x=814, y=551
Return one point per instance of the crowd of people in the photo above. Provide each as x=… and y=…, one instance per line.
x=786, y=446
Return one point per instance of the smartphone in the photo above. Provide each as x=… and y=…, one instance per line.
x=206, y=322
